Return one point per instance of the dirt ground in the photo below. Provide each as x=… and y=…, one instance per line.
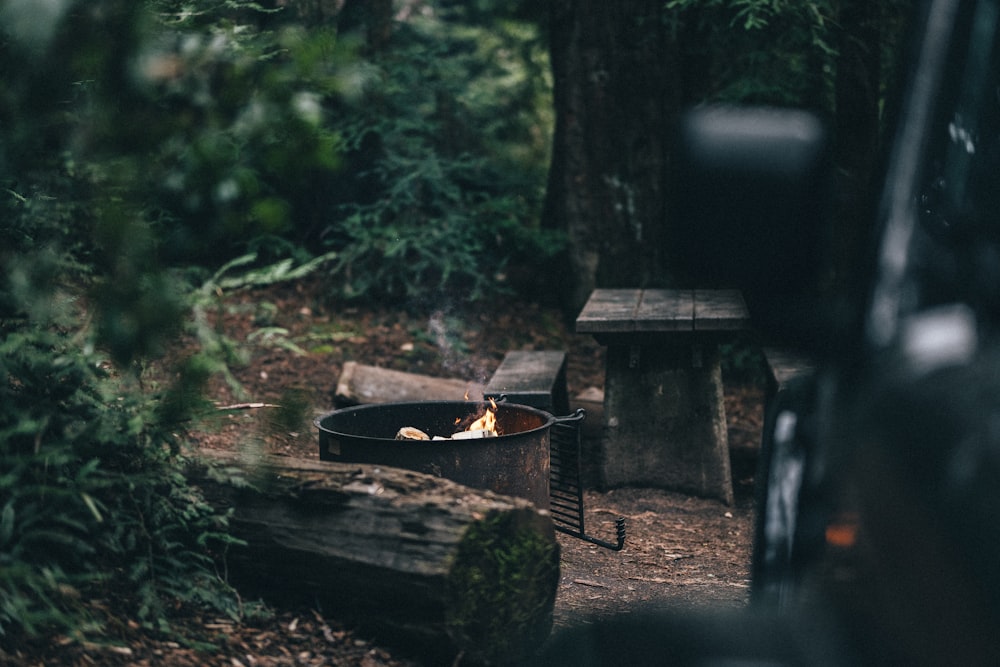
x=680, y=552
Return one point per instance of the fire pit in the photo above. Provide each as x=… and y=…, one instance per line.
x=515, y=462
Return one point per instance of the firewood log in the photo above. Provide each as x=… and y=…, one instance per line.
x=416, y=561
x=361, y=384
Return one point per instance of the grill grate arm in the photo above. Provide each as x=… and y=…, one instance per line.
x=565, y=487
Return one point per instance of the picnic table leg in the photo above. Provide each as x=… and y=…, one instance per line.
x=665, y=421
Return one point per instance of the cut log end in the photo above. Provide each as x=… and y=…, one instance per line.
x=502, y=586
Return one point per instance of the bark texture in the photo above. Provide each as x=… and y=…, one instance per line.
x=616, y=96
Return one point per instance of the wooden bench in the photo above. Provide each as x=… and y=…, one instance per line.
x=536, y=378
x=664, y=415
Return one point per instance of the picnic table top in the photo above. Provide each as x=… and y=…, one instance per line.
x=625, y=311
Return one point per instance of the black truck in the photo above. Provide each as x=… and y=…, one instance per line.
x=878, y=503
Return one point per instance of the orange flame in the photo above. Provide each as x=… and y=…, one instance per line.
x=488, y=422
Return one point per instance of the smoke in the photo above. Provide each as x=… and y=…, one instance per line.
x=446, y=330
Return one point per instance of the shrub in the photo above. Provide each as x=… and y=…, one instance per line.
x=447, y=162
x=94, y=504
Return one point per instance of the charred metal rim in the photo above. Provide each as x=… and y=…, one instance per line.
x=381, y=421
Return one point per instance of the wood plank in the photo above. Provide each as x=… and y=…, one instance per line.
x=665, y=310
x=609, y=311
x=625, y=311
x=720, y=310
x=362, y=384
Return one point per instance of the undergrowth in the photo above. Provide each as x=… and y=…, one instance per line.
x=446, y=181
x=94, y=500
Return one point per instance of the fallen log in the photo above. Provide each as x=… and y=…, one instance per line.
x=361, y=384
x=420, y=562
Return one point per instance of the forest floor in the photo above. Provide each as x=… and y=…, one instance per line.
x=681, y=552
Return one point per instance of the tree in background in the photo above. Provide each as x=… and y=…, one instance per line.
x=869, y=39
x=618, y=82
x=625, y=71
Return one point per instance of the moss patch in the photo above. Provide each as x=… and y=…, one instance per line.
x=502, y=588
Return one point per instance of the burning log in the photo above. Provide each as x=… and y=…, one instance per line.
x=419, y=561
x=483, y=427
x=411, y=433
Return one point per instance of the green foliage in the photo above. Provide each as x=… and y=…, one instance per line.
x=246, y=141
x=775, y=51
x=763, y=51
x=447, y=176
x=217, y=353
x=93, y=503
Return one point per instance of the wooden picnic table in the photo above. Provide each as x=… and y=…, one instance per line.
x=664, y=413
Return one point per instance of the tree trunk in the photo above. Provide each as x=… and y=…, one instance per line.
x=616, y=95
x=423, y=562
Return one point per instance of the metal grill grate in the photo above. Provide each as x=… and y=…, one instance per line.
x=565, y=486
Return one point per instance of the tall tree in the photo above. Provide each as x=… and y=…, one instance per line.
x=616, y=92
